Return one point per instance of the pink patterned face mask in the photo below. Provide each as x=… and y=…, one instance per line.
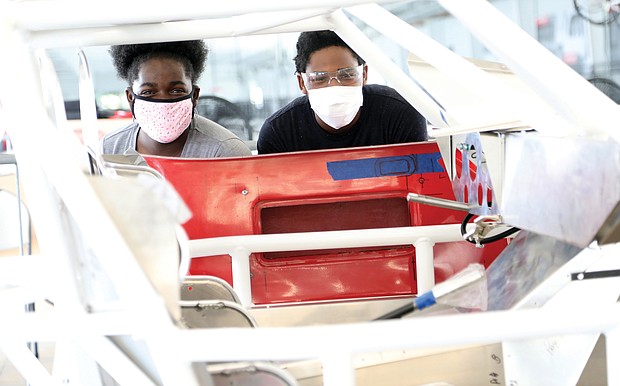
x=164, y=120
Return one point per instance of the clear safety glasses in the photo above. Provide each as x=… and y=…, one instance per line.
x=345, y=76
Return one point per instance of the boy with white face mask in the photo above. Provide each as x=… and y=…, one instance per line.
x=338, y=109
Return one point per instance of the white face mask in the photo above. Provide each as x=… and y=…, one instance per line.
x=161, y=119
x=336, y=105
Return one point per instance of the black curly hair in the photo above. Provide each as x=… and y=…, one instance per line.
x=127, y=58
x=309, y=42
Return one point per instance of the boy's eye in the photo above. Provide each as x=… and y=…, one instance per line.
x=347, y=74
x=318, y=78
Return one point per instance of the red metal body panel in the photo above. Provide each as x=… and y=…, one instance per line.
x=322, y=190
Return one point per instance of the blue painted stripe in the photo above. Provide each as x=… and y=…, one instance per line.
x=385, y=166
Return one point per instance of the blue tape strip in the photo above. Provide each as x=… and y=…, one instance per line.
x=425, y=300
x=385, y=166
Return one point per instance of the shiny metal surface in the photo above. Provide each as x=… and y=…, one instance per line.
x=439, y=202
x=325, y=313
x=561, y=187
x=527, y=262
x=156, y=248
x=207, y=288
x=215, y=314
x=250, y=374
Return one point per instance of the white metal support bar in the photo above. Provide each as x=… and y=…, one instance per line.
x=408, y=88
x=240, y=259
x=113, y=360
x=413, y=333
x=338, y=369
x=88, y=107
x=423, y=238
x=178, y=30
x=326, y=240
x=425, y=268
x=571, y=96
x=34, y=15
x=502, y=104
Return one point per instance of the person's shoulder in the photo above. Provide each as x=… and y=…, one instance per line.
x=121, y=131
x=382, y=91
x=388, y=97
x=118, y=140
x=211, y=136
x=289, y=108
x=211, y=129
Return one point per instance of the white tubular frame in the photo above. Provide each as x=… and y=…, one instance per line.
x=240, y=247
x=589, y=111
x=61, y=199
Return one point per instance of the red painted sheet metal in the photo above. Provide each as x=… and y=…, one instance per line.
x=227, y=197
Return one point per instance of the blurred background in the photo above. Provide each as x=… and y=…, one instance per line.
x=248, y=78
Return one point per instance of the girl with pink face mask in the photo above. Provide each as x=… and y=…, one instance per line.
x=338, y=109
x=162, y=93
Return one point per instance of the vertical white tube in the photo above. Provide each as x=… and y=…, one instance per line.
x=88, y=107
x=425, y=270
x=338, y=370
x=241, y=275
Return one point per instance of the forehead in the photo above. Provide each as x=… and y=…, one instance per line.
x=162, y=70
x=331, y=59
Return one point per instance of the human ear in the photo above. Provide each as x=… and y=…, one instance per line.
x=196, y=95
x=300, y=82
x=129, y=96
x=365, y=75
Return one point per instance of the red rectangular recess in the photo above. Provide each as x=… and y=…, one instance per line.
x=334, y=215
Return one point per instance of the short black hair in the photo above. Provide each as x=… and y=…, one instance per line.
x=128, y=58
x=309, y=42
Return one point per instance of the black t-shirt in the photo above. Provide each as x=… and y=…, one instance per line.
x=386, y=117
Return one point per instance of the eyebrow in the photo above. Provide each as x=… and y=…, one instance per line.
x=173, y=83
x=343, y=68
x=177, y=82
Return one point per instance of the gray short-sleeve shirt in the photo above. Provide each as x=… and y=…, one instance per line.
x=206, y=139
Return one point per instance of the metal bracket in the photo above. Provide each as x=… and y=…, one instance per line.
x=484, y=226
x=595, y=275
x=440, y=202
